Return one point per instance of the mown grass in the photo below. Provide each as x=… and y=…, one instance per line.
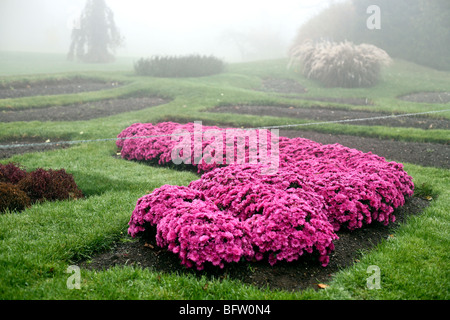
x=37, y=245
x=25, y=63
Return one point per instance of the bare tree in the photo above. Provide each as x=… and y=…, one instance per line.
x=96, y=37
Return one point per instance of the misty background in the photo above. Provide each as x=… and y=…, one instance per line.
x=234, y=30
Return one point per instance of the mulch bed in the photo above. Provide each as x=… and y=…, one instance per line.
x=332, y=114
x=30, y=145
x=423, y=154
x=282, y=86
x=301, y=274
x=348, y=100
x=83, y=111
x=291, y=87
x=427, y=97
x=54, y=87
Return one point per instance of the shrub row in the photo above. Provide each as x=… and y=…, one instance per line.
x=235, y=212
x=341, y=64
x=19, y=188
x=176, y=67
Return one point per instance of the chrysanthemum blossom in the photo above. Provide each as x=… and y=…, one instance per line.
x=234, y=212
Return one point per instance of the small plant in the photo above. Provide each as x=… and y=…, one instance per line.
x=425, y=191
x=51, y=185
x=12, y=198
x=177, y=67
x=11, y=173
x=339, y=64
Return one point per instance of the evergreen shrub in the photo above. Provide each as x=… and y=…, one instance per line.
x=179, y=66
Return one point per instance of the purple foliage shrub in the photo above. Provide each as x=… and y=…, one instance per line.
x=12, y=198
x=11, y=173
x=234, y=211
x=49, y=185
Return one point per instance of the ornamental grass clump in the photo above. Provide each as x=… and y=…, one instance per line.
x=341, y=64
x=234, y=211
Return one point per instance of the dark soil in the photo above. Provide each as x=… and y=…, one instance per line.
x=84, y=111
x=53, y=87
x=423, y=154
x=282, y=86
x=427, y=97
x=290, y=86
x=301, y=274
x=298, y=275
x=347, y=100
x=30, y=145
x=320, y=114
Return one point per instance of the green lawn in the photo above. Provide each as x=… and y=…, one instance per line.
x=25, y=63
x=37, y=245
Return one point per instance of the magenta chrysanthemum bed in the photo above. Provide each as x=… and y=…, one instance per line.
x=234, y=211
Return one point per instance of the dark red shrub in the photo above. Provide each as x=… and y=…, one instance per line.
x=63, y=186
x=12, y=198
x=41, y=185
x=36, y=184
x=11, y=173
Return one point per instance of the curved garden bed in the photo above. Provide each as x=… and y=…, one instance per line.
x=53, y=87
x=334, y=114
x=427, y=97
x=84, y=111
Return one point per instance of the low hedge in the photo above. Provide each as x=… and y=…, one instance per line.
x=179, y=66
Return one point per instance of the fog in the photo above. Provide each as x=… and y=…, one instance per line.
x=233, y=30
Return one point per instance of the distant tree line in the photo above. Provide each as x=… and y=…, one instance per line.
x=414, y=30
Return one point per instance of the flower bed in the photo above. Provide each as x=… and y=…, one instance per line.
x=235, y=212
x=161, y=143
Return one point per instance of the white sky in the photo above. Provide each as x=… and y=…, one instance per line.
x=162, y=27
